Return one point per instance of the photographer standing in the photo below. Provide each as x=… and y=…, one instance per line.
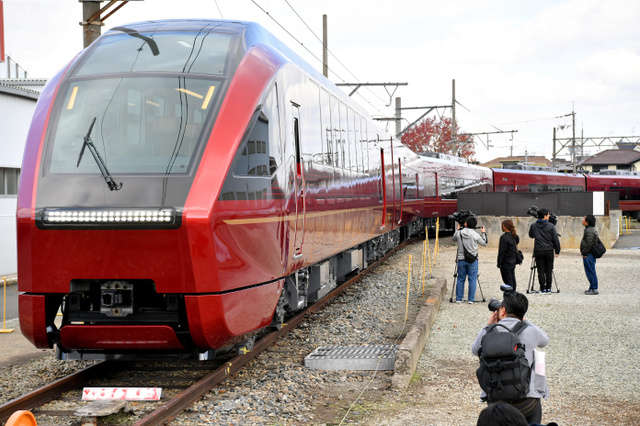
x=546, y=242
x=512, y=310
x=589, y=239
x=507, y=250
x=467, y=240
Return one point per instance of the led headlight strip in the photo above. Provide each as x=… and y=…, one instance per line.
x=115, y=216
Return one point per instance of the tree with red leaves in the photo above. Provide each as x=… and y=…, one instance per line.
x=432, y=135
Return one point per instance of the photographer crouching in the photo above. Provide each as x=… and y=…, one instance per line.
x=507, y=372
x=546, y=242
x=467, y=240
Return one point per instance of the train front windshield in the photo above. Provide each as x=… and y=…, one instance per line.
x=142, y=100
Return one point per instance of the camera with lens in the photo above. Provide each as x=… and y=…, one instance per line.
x=494, y=304
x=533, y=211
x=461, y=216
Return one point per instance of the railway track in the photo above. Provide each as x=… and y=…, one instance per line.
x=181, y=396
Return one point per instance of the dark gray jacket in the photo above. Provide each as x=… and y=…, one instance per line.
x=589, y=239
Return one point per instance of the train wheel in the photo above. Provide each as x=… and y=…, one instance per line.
x=278, y=315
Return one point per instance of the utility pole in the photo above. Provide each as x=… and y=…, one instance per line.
x=325, y=48
x=553, y=162
x=91, y=22
x=92, y=19
x=573, y=143
x=398, y=115
x=454, y=136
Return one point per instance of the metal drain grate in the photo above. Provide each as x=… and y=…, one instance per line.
x=380, y=357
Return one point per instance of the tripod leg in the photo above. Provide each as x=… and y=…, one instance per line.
x=480, y=287
x=455, y=282
x=555, y=281
x=532, y=276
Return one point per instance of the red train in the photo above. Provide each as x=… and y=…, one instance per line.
x=626, y=184
x=187, y=183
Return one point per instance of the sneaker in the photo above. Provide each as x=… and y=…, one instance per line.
x=471, y=302
x=548, y=291
x=591, y=291
x=458, y=301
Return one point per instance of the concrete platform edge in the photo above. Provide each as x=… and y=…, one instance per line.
x=411, y=347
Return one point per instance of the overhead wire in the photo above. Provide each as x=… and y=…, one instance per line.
x=329, y=50
x=311, y=53
x=500, y=130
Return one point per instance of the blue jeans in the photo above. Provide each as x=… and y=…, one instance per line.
x=466, y=270
x=589, y=263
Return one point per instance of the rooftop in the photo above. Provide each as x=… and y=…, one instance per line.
x=614, y=156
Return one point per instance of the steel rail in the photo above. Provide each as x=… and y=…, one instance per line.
x=178, y=404
x=49, y=392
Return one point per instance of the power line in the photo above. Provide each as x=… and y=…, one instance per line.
x=219, y=11
x=478, y=116
x=309, y=51
x=287, y=31
x=334, y=56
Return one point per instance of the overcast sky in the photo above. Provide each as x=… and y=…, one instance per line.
x=517, y=64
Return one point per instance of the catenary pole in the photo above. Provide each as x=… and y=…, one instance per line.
x=325, y=48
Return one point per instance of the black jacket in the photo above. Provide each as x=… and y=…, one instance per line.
x=545, y=235
x=507, y=248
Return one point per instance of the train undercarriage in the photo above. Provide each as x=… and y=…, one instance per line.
x=120, y=306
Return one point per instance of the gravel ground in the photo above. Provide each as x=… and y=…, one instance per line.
x=593, y=362
x=593, y=358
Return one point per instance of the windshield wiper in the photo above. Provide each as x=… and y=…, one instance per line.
x=133, y=33
x=96, y=156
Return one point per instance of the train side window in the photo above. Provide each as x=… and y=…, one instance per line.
x=353, y=140
x=344, y=130
x=325, y=106
x=313, y=135
x=335, y=133
x=357, y=144
x=255, y=167
x=254, y=159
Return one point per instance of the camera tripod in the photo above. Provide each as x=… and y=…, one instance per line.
x=455, y=281
x=532, y=277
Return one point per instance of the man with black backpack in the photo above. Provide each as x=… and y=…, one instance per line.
x=506, y=348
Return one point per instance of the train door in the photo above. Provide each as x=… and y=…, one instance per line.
x=300, y=215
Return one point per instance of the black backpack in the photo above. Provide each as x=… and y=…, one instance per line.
x=504, y=371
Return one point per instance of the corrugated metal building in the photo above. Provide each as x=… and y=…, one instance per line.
x=17, y=103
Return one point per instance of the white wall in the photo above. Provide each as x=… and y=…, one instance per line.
x=15, y=118
x=8, y=253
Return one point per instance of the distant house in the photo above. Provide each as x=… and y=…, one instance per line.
x=613, y=159
x=501, y=162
